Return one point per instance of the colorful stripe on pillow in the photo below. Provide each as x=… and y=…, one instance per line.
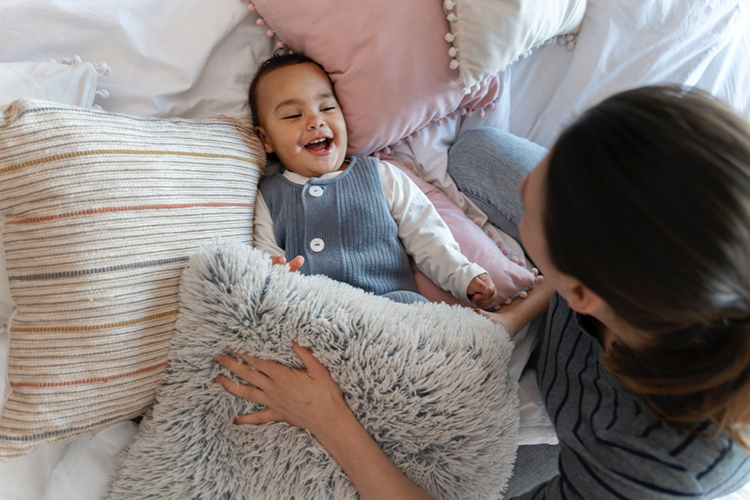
x=101, y=213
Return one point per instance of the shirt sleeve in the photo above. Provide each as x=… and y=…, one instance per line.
x=263, y=236
x=425, y=235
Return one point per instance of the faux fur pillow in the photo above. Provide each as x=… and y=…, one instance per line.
x=429, y=382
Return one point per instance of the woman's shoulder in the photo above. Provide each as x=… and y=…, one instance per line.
x=609, y=436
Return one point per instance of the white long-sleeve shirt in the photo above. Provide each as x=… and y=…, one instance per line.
x=424, y=234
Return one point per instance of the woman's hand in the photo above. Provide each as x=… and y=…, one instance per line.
x=519, y=313
x=307, y=398
x=311, y=399
x=294, y=264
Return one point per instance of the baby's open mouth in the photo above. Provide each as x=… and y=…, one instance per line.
x=319, y=145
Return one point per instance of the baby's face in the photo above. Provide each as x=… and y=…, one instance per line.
x=300, y=120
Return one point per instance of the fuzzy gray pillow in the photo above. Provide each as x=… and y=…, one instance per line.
x=428, y=381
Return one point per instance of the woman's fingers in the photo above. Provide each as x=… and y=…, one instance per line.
x=272, y=369
x=244, y=391
x=313, y=366
x=304, y=398
x=259, y=417
x=252, y=394
x=264, y=366
x=246, y=371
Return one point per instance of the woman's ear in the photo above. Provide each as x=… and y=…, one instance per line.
x=581, y=298
x=264, y=139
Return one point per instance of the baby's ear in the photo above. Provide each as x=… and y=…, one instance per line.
x=264, y=139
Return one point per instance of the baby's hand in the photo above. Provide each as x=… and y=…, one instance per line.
x=294, y=264
x=482, y=291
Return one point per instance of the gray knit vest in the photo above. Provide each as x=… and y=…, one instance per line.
x=349, y=218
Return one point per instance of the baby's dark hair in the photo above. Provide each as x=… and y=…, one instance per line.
x=278, y=60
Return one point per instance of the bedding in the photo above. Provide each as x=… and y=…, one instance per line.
x=101, y=212
x=359, y=47
x=429, y=382
x=69, y=82
x=194, y=59
x=488, y=35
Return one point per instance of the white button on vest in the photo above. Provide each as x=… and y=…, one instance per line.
x=316, y=191
x=316, y=245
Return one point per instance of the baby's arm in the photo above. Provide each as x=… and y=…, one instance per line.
x=425, y=236
x=264, y=238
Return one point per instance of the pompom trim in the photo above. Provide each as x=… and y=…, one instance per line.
x=101, y=70
x=260, y=21
x=449, y=8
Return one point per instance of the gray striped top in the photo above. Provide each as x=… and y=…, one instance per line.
x=610, y=447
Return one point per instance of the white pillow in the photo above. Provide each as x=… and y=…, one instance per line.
x=488, y=35
x=73, y=84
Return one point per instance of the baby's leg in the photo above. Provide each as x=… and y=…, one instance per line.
x=487, y=165
x=405, y=297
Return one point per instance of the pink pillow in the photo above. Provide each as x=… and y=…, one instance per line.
x=388, y=61
x=509, y=277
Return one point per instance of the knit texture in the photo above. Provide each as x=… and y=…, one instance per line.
x=100, y=213
x=351, y=217
x=429, y=382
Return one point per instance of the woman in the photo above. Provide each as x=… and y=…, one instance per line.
x=639, y=218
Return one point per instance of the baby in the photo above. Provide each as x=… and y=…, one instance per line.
x=356, y=220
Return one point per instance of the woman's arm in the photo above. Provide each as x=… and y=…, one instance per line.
x=520, y=312
x=312, y=400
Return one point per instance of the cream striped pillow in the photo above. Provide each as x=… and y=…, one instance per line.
x=100, y=215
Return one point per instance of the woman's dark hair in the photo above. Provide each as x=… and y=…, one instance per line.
x=648, y=205
x=278, y=60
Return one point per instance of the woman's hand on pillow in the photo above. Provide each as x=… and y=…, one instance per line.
x=482, y=291
x=294, y=264
x=307, y=398
x=312, y=400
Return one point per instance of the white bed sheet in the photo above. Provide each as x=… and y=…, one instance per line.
x=194, y=58
x=624, y=44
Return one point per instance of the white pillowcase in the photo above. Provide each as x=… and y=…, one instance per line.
x=73, y=84
x=488, y=35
